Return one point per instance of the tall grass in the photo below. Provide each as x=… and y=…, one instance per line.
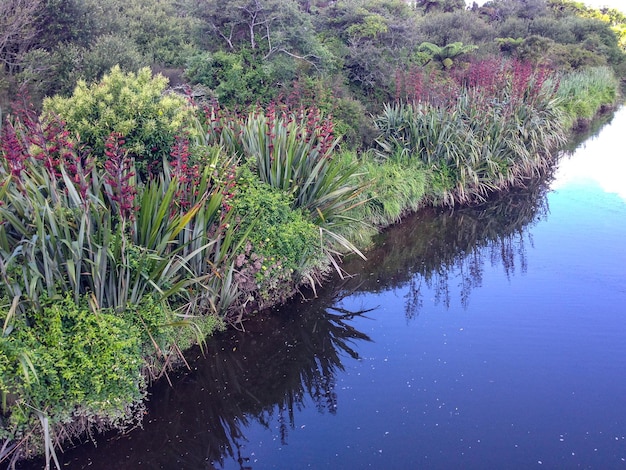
x=395, y=188
x=583, y=93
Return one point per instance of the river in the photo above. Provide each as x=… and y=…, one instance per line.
x=484, y=338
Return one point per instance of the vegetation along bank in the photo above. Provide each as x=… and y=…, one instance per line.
x=139, y=214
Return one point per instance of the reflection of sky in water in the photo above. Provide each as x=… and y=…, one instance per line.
x=601, y=160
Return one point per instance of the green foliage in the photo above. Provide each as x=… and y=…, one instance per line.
x=293, y=154
x=98, y=232
x=445, y=54
x=86, y=365
x=583, y=93
x=133, y=105
x=106, y=52
x=78, y=242
x=440, y=5
x=490, y=135
x=144, y=257
x=234, y=79
x=397, y=187
x=285, y=233
x=276, y=253
x=351, y=122
x=457, y=26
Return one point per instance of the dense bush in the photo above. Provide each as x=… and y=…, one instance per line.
x=133, y=105
x=277, y=252
x=77, y=370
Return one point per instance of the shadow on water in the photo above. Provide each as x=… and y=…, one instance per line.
x=579, y=137
x=281, y=363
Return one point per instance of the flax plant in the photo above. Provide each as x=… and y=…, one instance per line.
x=207, y=241
x=293, y=151
x=71, y=227
x=495, y=132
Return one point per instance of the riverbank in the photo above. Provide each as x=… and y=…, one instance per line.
x=248, y=231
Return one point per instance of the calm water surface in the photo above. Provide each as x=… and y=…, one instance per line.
x=487, y=338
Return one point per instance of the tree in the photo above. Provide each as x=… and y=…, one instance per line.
x=18, y=19
x=265, y=26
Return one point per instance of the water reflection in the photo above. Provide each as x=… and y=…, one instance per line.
x=289, y=360
x=448, y=250
x=267, y=373
x=604, y=165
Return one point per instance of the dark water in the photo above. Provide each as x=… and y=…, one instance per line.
x=487, y=338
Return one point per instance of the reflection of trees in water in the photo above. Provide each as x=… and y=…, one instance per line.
x=277, y=366
x=448, y=251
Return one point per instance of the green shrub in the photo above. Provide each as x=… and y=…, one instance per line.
x=234, y=78
x=133, y=105
x=84, y=365
x=108, y=51
x=281, y=244
x=164, y=333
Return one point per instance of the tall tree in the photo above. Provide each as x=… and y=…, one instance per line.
x=18, y=19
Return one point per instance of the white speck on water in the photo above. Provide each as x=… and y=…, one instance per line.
x=539, y=462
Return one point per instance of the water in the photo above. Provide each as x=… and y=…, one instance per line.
x=488, y=338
